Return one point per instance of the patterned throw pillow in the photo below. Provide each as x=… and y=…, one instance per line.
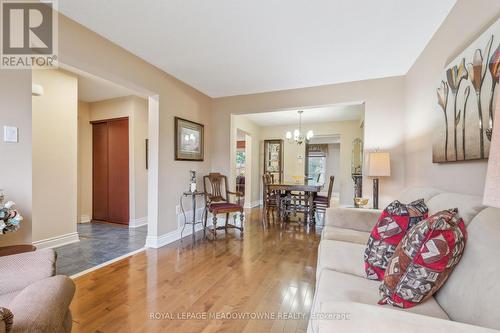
x=7, y=317
x=424, y=259
x=390, y=229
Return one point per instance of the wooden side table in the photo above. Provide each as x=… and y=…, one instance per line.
x=16, y=249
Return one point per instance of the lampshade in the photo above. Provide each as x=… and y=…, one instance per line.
x=492, y=185
x=379, y=164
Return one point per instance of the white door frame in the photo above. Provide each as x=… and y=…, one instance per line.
x=248, y=170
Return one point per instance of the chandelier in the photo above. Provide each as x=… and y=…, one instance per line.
x=297, y=136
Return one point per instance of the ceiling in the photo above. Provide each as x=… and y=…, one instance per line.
x=233, y=47
x=310, y=115
x=93, y=89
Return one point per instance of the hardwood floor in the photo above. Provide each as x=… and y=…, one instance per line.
x=267, y=272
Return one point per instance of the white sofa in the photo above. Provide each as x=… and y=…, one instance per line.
x=345, y=301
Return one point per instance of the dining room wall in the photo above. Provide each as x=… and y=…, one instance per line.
x=294, y=166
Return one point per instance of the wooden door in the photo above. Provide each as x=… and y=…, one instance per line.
x=100, y=171
x=110, y=171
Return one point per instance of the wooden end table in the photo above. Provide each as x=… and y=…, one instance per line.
x=16, y=249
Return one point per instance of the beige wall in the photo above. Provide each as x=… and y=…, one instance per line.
x=140, y=124
x=136, y=109
x=54, y=155
x=84, y=163
x=384, y=101
x=348, y=131
x=464, y=24
x=15, y=110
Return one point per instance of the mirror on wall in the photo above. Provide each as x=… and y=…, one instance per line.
x=357, y=167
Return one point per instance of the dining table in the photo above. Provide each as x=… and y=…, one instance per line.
x=310, y=191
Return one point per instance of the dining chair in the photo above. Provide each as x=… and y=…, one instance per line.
x=321, y=203
x=217, y=202
x=270, y=201
x=318, y=178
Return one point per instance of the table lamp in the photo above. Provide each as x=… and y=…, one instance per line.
x=379, y=165
x=492, y=185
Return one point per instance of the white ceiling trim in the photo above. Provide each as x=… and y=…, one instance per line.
x=310, y=116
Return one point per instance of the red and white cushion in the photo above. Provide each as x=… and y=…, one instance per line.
x=392, y=225
x=424, y=259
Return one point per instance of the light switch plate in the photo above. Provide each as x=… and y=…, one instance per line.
x=10, y=134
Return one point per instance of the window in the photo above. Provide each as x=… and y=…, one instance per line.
x=316, y=167
x=240, y=162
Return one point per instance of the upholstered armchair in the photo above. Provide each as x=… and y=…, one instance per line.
x=32, y=299
x=217, y=202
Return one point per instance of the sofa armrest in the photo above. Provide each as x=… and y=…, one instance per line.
x=20, y=270
x=361, y=219
x=356, y=317
x=43, y=306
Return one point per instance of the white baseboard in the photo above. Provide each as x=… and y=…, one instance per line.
x=85, y=219
x=57, y=241
x=170, y=237
x=135, y=223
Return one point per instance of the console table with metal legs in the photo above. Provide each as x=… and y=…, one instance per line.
x=193, y=221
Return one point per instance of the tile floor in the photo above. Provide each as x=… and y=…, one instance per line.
x=99, y=242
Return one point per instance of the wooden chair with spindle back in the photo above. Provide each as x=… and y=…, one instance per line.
x=269, y=197
x=321, y=203
x=217, y=202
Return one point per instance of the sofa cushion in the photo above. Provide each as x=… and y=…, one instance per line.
x=21, y=270
x=396, y=219
x=342, y=257
x=424, y=259
x=350, y=317
x=414, y=193
x=468, y=205
x=472, y=291
x=360, y=219
x=336, y=286
x=345, y=235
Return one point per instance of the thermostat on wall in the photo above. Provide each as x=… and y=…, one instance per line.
x=10, y=134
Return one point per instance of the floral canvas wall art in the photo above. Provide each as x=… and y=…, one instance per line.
x=465, y=101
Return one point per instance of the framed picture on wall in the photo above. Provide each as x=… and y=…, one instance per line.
x=189, y=140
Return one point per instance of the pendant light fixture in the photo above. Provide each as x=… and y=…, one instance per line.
x=297, y=136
